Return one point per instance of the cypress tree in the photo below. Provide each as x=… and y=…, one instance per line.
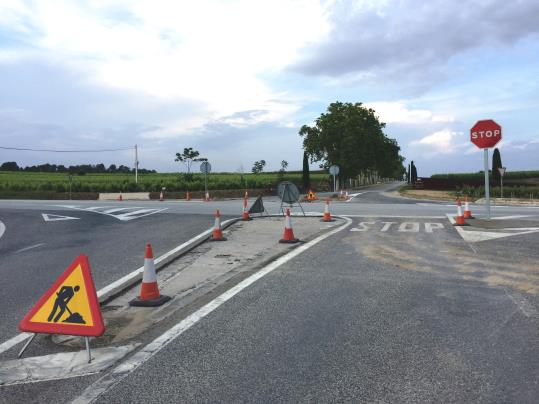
x=306, y=173
x=496, y=163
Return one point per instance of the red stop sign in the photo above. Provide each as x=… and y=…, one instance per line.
x=485, y=134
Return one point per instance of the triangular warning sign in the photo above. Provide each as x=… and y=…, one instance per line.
x=69, y=307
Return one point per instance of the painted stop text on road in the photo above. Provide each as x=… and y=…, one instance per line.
x=401, y=227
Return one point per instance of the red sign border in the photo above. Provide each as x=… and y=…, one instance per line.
x=486, y=120
x=95, y=330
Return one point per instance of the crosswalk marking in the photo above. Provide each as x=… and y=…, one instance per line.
x=121, y=213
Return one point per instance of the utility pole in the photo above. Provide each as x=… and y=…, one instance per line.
x=136, y=164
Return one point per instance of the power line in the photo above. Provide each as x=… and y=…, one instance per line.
x=65, y=151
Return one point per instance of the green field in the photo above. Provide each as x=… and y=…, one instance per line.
x=59, y=182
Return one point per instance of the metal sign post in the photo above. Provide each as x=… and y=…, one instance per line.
x=487, y=190
x=501, y=170
x=334, y=170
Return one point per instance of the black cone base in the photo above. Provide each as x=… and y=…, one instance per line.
x=138, y=302
x=283, y=241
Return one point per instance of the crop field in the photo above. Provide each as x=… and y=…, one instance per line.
x=60, y=182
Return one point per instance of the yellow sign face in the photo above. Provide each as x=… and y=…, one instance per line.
x=68, y=305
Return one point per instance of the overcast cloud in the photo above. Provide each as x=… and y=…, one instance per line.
x=237, y=79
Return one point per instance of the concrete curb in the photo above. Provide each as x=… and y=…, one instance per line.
x=119, y=286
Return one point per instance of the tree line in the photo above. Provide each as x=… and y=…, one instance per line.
x=74, y=169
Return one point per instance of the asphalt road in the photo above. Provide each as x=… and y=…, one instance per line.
x=396, y=308
x=35, y=252
x=366, y=316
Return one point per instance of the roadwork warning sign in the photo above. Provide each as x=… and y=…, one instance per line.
x=69, y=307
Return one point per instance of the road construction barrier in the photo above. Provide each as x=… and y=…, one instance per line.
x=327, y=214
x=149, y=292
x=459, y=219
x=467, y=211
x=245, y=215
x=288, y=236
x=217, y=234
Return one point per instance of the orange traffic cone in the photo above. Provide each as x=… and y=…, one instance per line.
x=120, y=197
x=288, y=236
x=459, y=220
x=217, y=234
x=149, y=292
x=467, y=211
x=245, y=215
x=327, y=215
x=187, y=196
x=161, y=197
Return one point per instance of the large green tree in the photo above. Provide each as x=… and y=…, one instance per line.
x=351, y=136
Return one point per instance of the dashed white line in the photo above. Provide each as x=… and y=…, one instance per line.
x=2, y=229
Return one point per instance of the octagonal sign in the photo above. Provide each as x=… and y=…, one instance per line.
x=485, y=134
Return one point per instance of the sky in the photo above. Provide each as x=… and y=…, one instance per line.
x=236, y=79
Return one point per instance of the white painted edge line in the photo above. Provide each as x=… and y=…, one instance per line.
x=352, y=196
x=395, y=216
x=28, y=248
x=100, y=386
x=460, y=230
x=2, y=229
x=109, y=290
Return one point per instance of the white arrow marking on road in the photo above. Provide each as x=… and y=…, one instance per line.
x=352, y=196
x=49, y=217
x=2, y=229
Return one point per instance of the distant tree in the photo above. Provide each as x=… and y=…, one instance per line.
x=188, y=157
x=9, y=166
x=258, y=166
x=351, y=136
x=112, y=168
x=100, y=168
x=284, y=165
x=306, y=175
x=496, y=163
x=413, y=172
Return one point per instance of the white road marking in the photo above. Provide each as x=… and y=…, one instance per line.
x=49, y=217
x=10, y=343
x=410, y=227
x=121, y=371
x=352, y=196
x=382, y=216
x=28, y=248
x=474, y=236
x=522, y=303
x=133, y=212
x=60, y=365
x=429, y=227
x=2, y=229
x=404, y=227
x=511, y=217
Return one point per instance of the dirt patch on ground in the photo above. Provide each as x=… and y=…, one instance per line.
x=428, y=194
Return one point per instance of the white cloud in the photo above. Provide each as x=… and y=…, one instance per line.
x=214, y=53
x=398, y=112
x=444, y=141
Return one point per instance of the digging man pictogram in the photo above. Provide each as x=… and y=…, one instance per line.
x=63, y=297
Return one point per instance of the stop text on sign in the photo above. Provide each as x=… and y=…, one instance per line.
x=404, y=227
x=486, y=134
